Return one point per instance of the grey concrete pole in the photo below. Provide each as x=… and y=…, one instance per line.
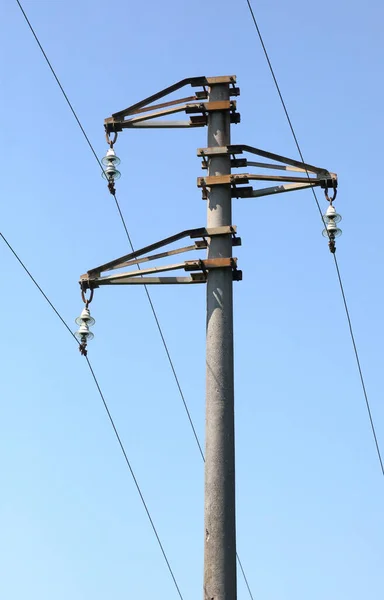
x=220, y=527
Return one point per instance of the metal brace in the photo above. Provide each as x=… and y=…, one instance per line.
x=323, y=177
x=145, y=113
x=93, y=279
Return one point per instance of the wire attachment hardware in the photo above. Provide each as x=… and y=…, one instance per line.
x=110, y=162
x=84, y=299
x=83, y=349
x=84, y=321
x=334, y=194
x=330, y=219
x=109, y=141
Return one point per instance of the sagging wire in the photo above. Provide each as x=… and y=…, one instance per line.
x=332, y=245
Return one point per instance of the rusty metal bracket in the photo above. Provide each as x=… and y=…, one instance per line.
x=210, y=263
x=146, y=114
x=93, y=278
x=88, y=280
x=306, y=175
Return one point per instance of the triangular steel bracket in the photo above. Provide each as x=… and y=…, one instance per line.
x=145, y=113
x=93, y=278
x=322, y=177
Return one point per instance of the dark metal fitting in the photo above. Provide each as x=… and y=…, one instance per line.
x=332, y=246
x=203, y=267
x=329, y=182
x=83, y=349
x=235, y=240
x=109, y=141
x=237, y=275
x=333, y=196
x=83, y=289
x=111, y=187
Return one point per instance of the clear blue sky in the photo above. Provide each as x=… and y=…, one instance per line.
x=309, y=487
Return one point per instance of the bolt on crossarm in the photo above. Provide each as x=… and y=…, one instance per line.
x=210, y=106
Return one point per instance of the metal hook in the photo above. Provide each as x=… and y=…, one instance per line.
x=87, y=300
x=330, y=200
x=109, y=141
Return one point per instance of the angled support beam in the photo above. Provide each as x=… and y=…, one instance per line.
x=93, y=279
x=200, y=232
x=242, y=178
x=239, y=149
x=321, y=178
x=119, y=121
x=194, y=278
x=249, y=192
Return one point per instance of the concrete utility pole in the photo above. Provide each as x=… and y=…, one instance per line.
x=220, y=528
x=218, y=271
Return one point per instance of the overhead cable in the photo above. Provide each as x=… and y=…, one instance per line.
x=107, y=411
x=351, y=332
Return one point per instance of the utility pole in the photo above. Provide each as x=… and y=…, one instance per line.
x=220, y=528
x=218, y=271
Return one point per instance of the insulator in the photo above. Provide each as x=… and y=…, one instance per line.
x=111, y=172
x=83, y=334
x=110, y=157
x=85, y=317
x=332, y=231
x=331, y=214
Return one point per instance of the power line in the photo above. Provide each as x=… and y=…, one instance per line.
x=117, y=435
x=124, y=226
x=58, y=82
x=334, y=255
x=37, y=285
x=134, y=478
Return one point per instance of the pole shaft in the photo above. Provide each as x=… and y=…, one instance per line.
x=220, y=527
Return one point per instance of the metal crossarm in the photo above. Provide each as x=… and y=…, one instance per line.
x=311, y=176
x=93, y=279
x=240, y=148
x=147, y=113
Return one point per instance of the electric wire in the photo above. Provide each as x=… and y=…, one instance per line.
x=125, y=229
x=362, y=381
x=165, y=345
x=150, y=300
x=134, y=479
x=132, y=248
x=58, y=82
x=36, y=284
x=117, y=435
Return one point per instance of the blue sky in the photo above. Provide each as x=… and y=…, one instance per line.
x=309, y=485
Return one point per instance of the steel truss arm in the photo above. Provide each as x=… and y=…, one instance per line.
x=145, y=118
x=93, y=279
x=322, y=178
